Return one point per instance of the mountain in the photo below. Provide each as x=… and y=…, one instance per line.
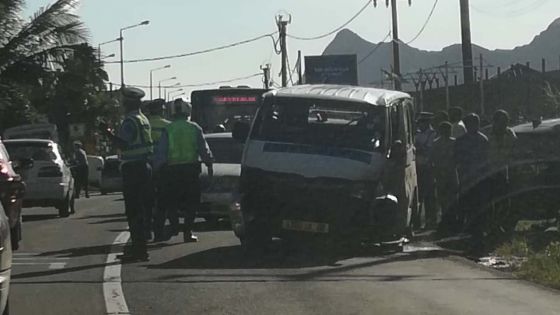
x=545, y=45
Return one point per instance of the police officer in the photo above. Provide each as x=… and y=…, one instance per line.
x=177, y=155
x=158, y=124
x=134, y=139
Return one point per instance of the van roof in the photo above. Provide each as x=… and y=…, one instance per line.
x=45, y=141
x=372, y=96
x=549, y=125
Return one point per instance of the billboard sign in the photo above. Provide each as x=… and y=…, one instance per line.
x=331, y=69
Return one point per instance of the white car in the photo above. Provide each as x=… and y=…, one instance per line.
x=49, y=182
x=220, y=193
x=5, y=261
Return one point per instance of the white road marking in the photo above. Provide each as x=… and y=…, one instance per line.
x=115, y=302
x=30, y=259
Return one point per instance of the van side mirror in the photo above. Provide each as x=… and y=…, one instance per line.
x=398, y=151
x=240, y=131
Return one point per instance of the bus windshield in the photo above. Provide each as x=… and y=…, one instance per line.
x=218, y=110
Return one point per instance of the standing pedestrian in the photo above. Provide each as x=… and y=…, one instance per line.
x=445, y=173
x=81, y=170
x=424, y=142
x=135, y=142
x=501, y=140
x=177, y=158
x=471, y=156
x=455, y=117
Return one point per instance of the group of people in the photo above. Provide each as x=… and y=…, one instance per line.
x=160, y=169
x=459, y=167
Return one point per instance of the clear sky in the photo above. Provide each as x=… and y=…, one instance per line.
x=179, y=26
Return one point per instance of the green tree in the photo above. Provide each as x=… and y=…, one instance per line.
x=29, y=50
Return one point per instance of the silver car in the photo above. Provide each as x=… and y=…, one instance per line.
x=49, y=181
x=220, y=193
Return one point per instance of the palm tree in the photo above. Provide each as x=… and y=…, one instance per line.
x=47, y=36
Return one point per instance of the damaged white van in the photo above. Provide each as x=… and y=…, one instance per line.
x=328, y=162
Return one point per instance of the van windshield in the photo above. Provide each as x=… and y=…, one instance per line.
x=340, y=124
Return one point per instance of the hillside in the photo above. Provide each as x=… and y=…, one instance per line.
x=545, y=45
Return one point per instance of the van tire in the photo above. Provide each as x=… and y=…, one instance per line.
x=255, y=240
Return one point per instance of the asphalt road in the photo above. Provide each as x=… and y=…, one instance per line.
x=61, y=264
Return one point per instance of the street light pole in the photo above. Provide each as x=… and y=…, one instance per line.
x=151, y=79
x=104, y=43
x=160, y=82
x=172, y=92
x=121, y=39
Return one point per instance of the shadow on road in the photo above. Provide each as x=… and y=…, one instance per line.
x=232, y=257
x=103, y=216
x=94, y=250
x=39, y=217
x=117, y=220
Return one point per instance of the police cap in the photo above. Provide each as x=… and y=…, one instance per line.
x=132, y=93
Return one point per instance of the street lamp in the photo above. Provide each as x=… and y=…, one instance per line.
x=108, y=56
x=173, y=92
x=170, y=86
x=121, y=38
x=104, y=43
x=165, y=80
x=151, y=78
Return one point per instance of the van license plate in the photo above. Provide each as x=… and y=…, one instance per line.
x=304, y=226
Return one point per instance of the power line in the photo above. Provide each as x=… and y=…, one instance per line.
x=375, y=49
x=200, y=52
x=196, y=84
x=336, y=29
x=425, y=23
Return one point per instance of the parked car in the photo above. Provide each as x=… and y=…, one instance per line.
x=5, y=261
x=95, y=165
x=32, y=131
x=221, y=192
x=12, y=190
x=316, y=167
x=111, y=178
x=49, y=182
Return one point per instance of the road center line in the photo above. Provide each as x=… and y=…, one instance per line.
x=115, y=302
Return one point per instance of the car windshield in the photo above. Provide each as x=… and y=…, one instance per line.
x=30, y=150
x=341, y=124
x=225, y=150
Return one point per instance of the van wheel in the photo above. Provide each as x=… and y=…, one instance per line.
x=64, y=207
x=255, y=239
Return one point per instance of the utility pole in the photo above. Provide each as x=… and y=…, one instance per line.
x=300, y=70
x=447, y=97
x=481, y=86
x=282, y=26
x=396, y=50
x=467, y=43
x=266, y=74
